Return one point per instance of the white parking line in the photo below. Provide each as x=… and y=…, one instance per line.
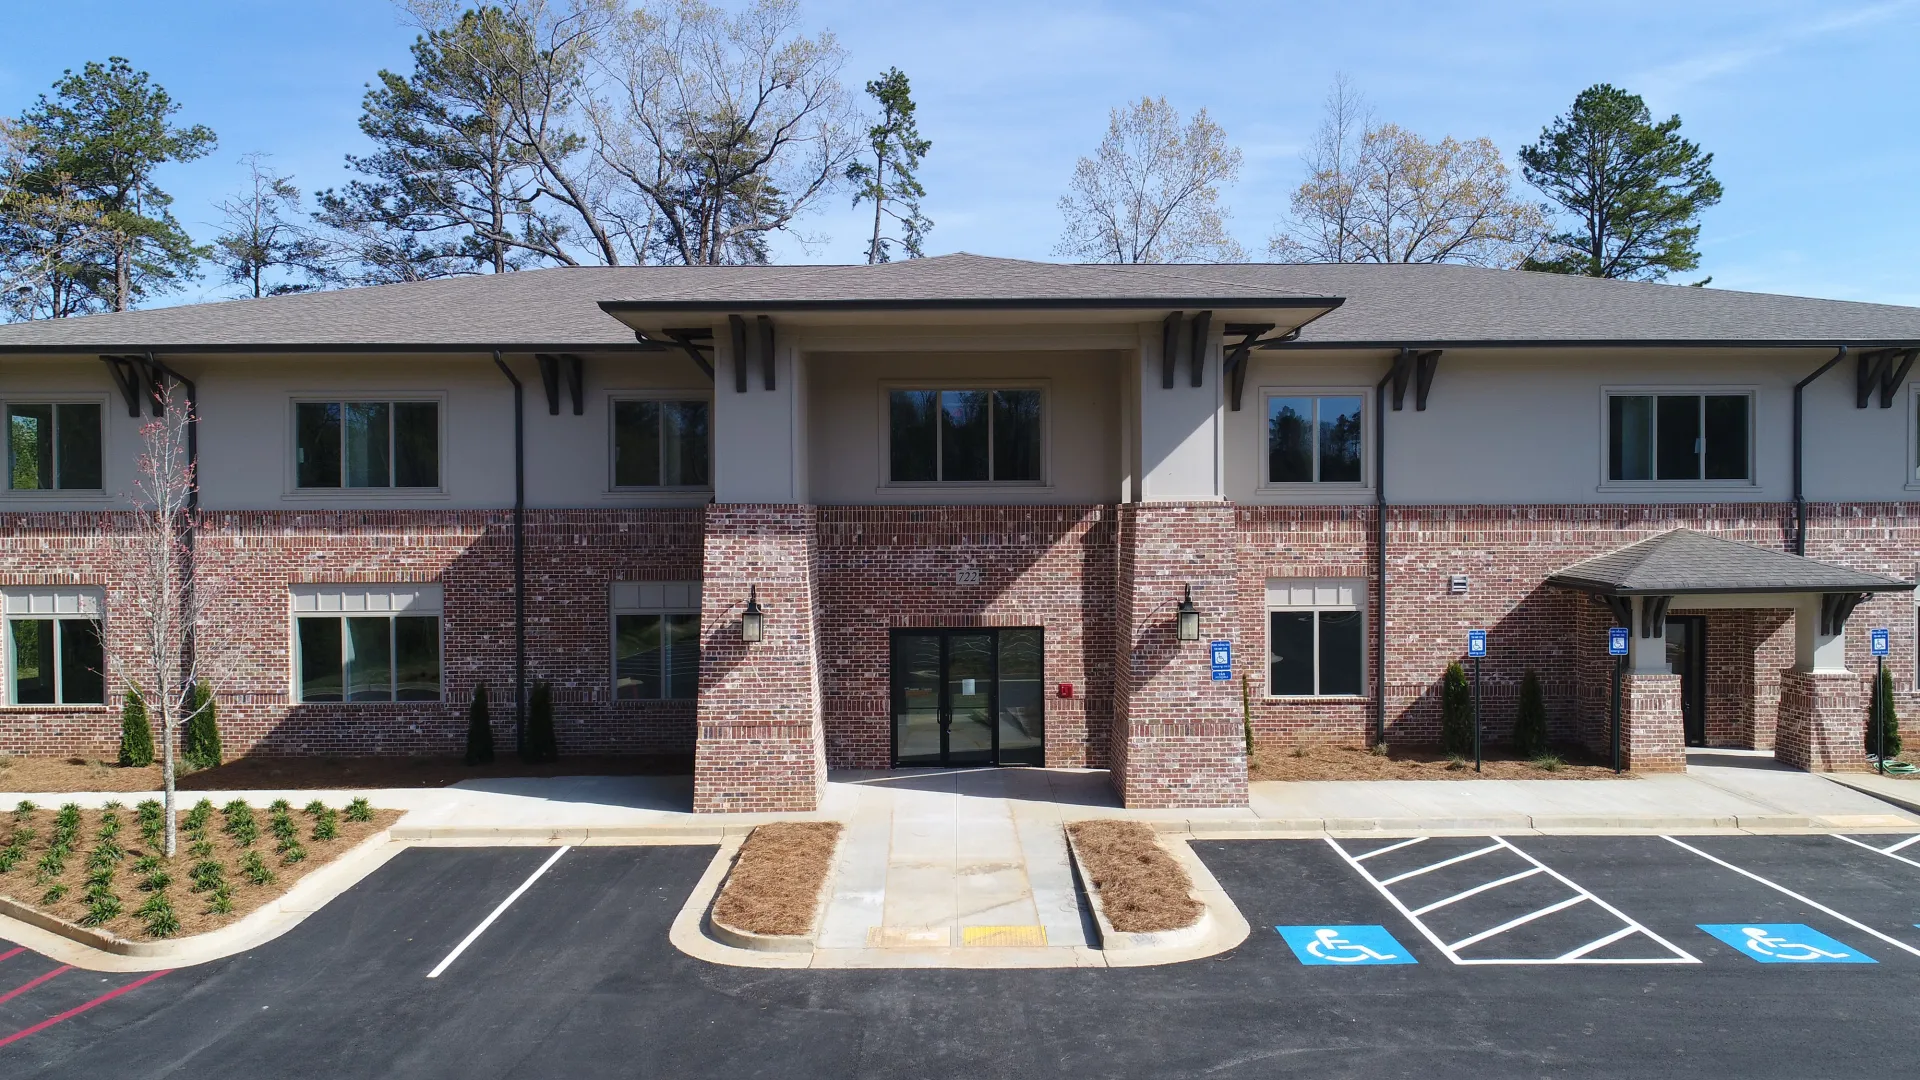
x=1904, y=843
x=1389, y=847
x=1888, y=852
x=1783, y=890
x=488, y=921
x=1579, y=955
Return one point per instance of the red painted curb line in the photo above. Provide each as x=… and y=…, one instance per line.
x=78, y=1009
x=26, y=986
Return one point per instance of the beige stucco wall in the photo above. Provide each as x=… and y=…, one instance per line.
x=35, y=379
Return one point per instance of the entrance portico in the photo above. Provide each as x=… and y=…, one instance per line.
x=1822, y=709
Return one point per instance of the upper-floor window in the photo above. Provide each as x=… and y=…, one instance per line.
x=661, y=444
x=656, y=640
x=53, y=651
x=367, y=444
x=1679, y=436
x=979, y=436
x=53, y=446
x=1314, y=439
x=367, y=642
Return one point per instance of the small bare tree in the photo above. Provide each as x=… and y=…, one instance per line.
x=1151, y=193
x=168, y=603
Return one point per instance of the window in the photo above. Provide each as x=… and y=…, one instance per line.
x=367, y=642
x=1316, y=638
x=661, y=444
x=53, y=446
x=656, y=640
x=1314, y=439
x=1679, y=436
x=976, y=436
x=53, y=650
x=367, y=444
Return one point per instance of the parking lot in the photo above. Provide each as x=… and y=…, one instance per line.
x=1778, y=956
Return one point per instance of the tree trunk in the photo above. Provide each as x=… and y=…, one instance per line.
x=166, y=765
x=879, y=194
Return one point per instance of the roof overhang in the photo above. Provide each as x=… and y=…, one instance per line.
x=1284, y=314
x=1687, y=562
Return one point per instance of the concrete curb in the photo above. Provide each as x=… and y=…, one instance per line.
x=1112, y=940
x=1910, y=804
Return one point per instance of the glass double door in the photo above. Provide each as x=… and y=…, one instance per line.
x=968, y=697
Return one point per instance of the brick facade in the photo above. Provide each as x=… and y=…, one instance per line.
x=1822, y=721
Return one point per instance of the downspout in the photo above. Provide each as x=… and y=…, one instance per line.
x=1380, y=552
x=1799, y=488
x=519, y=556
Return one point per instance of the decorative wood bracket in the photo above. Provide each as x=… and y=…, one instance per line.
x=139, y=379
x=550, y=369
x=764, y=340
x=1885, y=369
x=1653, y=614
x=737, y=337
x=1169, y=348
x=1836, y=609
x=1234, y=367
x=1622, y=609
x=1197, y=357
x=1418, y=367
x=696, y=342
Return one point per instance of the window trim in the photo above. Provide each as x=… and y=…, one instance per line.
x=1913, y=436
x=342, y=397
x=616, y=608
x=1269, y=608
x=1314, y=490
x=613, y=400
x=429, y=600
x=104, y=492
x=1605, y=442
x=885, y=463
x=85, y=596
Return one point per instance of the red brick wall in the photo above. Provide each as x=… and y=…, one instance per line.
x=1823, y=721
x=887, y=567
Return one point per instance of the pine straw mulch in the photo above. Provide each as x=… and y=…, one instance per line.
x=61, y=888
x=1141, y=887
x=1418, y=763
x=775, y=884
x=53, y=774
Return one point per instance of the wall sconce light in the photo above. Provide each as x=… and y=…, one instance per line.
x=1189, y=617
x=753, y=621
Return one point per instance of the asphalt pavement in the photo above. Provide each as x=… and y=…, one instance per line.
x=1471, y=957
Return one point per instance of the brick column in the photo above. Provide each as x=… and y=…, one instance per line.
x=1823, y=721
x=1653, y=733
x=759, y=747
x=1178, y=740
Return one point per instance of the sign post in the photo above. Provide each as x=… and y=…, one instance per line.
x=1617, y=643
x=1880, y=640
x=1476, y=648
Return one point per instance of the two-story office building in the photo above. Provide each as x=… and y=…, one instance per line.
x=966, y=511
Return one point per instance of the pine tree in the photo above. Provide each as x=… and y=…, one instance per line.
x=540, y=743
x=1883, y=707
x=136, y=734
x=1456, y=712
x=200, y=747
x=479, y=729
x=1530, y=724
x=897, y=149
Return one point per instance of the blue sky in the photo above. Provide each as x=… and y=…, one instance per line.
x=1808, y=107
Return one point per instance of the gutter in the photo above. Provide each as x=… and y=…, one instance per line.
x=1380, y=549
x=1799, y=488
x=519, y=555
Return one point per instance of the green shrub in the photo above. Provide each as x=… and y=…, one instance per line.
x=280, y=806
x=1882, y=706
x=1456, y=712
x=153, y=822
x=24, y=809
x=201, y=849
x=540, y=744
x=10, y=857
x=54, y=894
x=1548, y=763
x=240, y=823
x=136, y=733
x=155, y=881
x=206, y=874
x=314, y=809
x=53, y=863
x=200, y=741
x=157, y=914
x=360, y=810
x=1530, y=723
x=198, y=817
x=255, y=869
x=327, y=826
x=109, y=825
x=68, y=817
x=291, y=852
x=479, y=729
x=102, y=908
x=221, y=900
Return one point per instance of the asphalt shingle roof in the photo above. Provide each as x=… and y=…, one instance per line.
x=1385, y=305
x=1687, y=561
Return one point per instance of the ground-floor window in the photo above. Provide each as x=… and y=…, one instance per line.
x=53, y=650
x=364, y=643
x=656, y=640
x=1316, y=637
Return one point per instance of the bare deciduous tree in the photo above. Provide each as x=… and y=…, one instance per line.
x=168, y=602
x=1380, y=193
x=259, y=233
x=1151, y=193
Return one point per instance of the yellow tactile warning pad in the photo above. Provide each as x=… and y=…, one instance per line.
x=1003, y=935
x=909, y=937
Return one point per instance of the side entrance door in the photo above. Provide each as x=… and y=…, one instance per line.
x=968, y=697
x=1687, y=653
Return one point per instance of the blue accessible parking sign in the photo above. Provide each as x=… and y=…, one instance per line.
x=1222, y=660
x=1879, y=639
x=1344, y=946
x=1785, y=943
x=1476, y=643
x=1617, y=641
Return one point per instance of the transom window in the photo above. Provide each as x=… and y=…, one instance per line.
x=367, y=642
x=1316, y=637
x=367, y=444
x=963, y=436
x=53, y=651
x=1314, y=439
x=1679, y=436
x=661, y=444
x=656, y=640
x=53, y=446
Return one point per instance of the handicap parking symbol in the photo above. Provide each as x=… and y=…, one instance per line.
x=1785, y=943
x=1344, y=946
